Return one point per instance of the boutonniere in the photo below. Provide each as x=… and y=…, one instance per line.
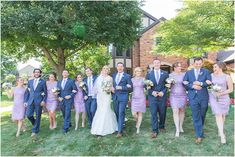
x=200, y=73
x=43, y=94
x=161, y=73
x=74, y=91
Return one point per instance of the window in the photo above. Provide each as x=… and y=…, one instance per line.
x=119, y=52
x=128, y=53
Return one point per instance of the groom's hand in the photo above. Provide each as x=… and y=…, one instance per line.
x=154, y=93
x=118, y=87
x=60, y=99
x=160, y=94
x=197, y=87
x=67, y=97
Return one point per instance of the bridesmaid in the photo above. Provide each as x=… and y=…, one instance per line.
x=220, y=106
x=138, y=103
x=51, y=102
x=18, y=111
x=79, y=103
x=178, y=97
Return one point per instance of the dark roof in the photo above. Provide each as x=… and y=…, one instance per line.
x=225, y=56
x=156, y=21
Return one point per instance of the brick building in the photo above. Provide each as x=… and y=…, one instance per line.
x=142, y=54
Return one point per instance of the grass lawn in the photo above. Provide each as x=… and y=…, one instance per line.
x=5, y=101
x=81, y=142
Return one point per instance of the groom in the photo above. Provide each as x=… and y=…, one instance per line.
x=122, y=85
x=195, y=84
x=90, y=100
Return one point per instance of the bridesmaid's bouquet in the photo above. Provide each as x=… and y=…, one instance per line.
x=170, y=82
x=82, y=85
x=215, y=88
x=55, y=90
x=148, y=83
x=106, y=86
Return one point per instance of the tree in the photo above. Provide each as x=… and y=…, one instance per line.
x=94, y=57
x=57, y=30
x=8, y=66
x=201, y=26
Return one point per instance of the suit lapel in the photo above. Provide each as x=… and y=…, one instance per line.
x=160, y=76
x=121, y=78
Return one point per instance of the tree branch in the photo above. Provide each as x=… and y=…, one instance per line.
x=75, y=51
x=49, y=57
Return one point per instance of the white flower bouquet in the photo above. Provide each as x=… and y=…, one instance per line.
x=55, y=90
x=106, y=86
x=148, y=83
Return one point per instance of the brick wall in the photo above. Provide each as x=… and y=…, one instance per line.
x=143, y=52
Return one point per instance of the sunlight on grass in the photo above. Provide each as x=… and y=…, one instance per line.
x=81, y=142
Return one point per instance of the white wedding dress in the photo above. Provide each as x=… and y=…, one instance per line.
x=104, y=121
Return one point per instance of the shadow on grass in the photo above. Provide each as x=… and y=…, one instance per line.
x=81, y=142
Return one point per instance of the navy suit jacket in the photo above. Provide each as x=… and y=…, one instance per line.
x=70, y=88
x=190, y=78
x=38, y=95
x=94, y=77
x=122, y=95
x=158, y=87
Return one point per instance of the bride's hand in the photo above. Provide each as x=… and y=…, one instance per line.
x=112, y=90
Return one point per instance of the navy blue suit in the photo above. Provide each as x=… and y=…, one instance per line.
x=120, y=98
x=157, y=104
x=198, y=99
x=66, y=104
x=33, y=98
x=90, y=103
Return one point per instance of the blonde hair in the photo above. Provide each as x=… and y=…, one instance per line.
x=137, y=69
x=106, y=67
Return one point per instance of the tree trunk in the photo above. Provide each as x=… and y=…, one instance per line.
x=61, y=63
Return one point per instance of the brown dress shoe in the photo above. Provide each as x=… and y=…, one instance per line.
x=198, y=140
x=119, y=135
x=154, y=135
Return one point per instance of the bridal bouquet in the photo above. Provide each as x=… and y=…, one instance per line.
x=106, y=86
x=215, y=88
x=55, y=90
x=148, y=83
x=170, y=82
x=82, y=85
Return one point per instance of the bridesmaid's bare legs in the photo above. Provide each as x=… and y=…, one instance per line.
x=134, y=114
x=176, y=121
x=53, y=119
x=181, y=118
x=220, y=125
x=76, y=120
x=139, y=121
x=19, y=127
x=50, y=119
x=83, y=119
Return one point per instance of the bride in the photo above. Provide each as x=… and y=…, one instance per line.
x=104, y=121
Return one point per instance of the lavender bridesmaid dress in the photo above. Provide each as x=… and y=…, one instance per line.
x=79, y=103
x=178, y=97
x=18, y=111
x=51, y=102
x=222, y=105
x=138, y=102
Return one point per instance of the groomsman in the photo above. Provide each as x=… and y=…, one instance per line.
x=157, y=96
x=122, y=86
x=34, y=99
x=195, y=83
x=89, y=95
x=66, y=95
